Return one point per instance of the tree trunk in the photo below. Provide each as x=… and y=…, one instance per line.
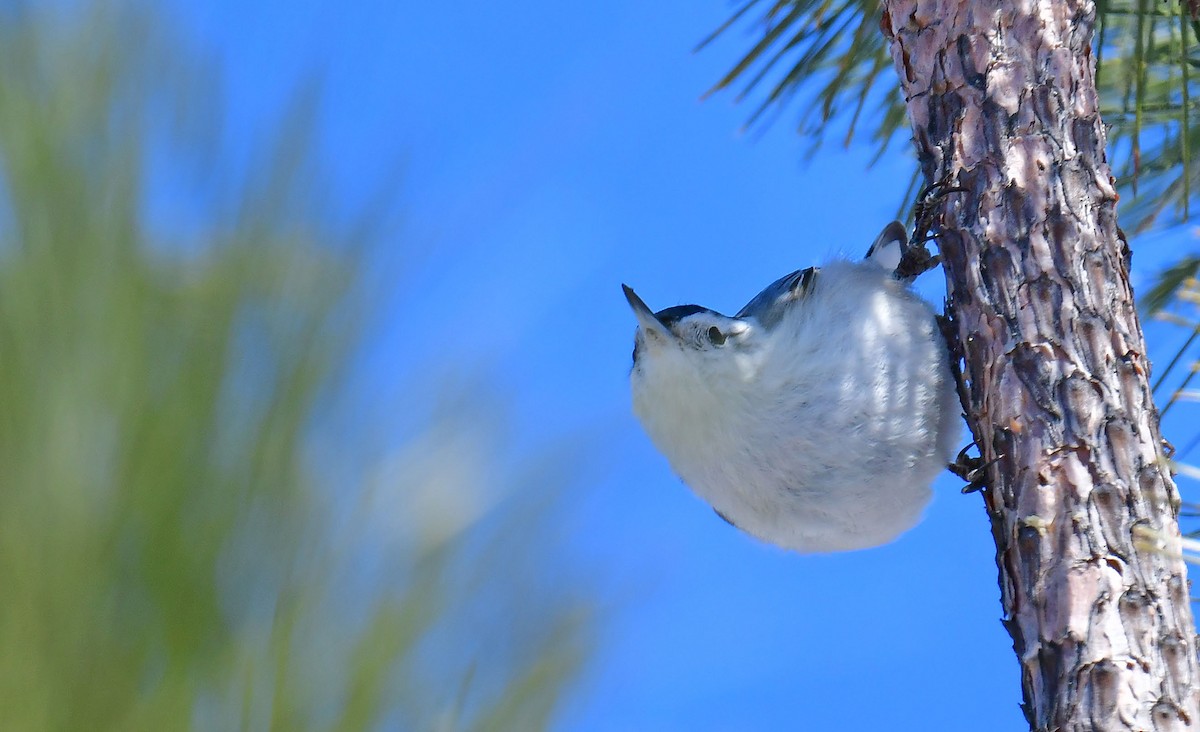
x=1002, y=95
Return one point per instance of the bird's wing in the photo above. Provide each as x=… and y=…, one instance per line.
x=888, y=248
x=768, y=306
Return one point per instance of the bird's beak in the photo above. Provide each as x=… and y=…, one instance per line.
x=646, y=317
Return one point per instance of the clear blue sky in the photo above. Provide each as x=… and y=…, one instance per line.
x=550, y=152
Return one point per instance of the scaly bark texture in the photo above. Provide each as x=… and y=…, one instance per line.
x=1002, y=95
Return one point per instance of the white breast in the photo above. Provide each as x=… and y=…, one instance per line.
x=829, y=436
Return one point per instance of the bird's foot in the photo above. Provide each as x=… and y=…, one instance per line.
x=972, y=469
x=916, y=258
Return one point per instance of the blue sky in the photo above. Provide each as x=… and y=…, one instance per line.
x=550, y=151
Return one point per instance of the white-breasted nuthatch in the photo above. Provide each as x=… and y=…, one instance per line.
x=818, y=416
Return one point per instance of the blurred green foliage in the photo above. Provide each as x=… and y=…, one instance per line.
x=1146, y=61
x=170, y=330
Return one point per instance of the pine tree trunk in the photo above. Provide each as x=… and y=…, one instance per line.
x=1003, y=96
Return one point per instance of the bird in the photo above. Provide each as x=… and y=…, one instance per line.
x=818, y=416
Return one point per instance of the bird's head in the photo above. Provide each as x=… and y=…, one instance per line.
x=689, y=339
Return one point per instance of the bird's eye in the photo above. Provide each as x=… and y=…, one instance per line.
x=716, y=336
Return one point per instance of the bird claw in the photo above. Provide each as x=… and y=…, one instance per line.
x=928, y=200
x=972, y=469
x=916, y=258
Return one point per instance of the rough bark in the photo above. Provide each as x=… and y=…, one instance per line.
x=1002, y=96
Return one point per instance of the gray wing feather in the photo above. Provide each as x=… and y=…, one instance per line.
x=888, y=249
x=768, y=306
